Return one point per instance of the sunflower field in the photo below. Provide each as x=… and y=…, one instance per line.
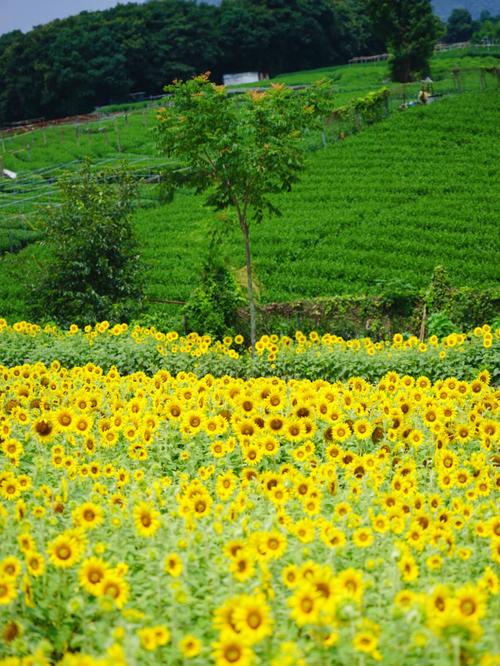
x=161, y=518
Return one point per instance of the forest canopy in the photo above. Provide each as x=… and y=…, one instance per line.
x=71, y=65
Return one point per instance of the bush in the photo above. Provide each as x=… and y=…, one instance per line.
x=440, y=325
x=93, y=272
x=213, y=305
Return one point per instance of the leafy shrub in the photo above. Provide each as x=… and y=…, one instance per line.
x=440, y=325
x=93, y=272
x=212, y=306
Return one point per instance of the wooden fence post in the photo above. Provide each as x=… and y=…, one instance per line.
x=421, y=337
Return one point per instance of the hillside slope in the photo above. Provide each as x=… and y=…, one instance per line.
x=379, y=210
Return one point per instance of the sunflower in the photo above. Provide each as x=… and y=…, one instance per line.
x=12, y=448
x=304, y=604
x=174, y=410
x=304, y=530
x=10, y=567
x=437, y=605
x=92, y=573
x=362, y=429
x=26, y=542
x=332, y=536
x=252, y=454
x=290, y=575
x=64, y=551
x=230, y=650
x=11, y=631
x=341, y=431
x=242, y=567
x=274, y=401
x=408, y=568
x=65, y=418
x=154, y=637
x=275, y=424
x=190, y=646
x=274, y=544
x=35, y=563
x=114, y=586
x=226, y=484
x=350, y=582
x=201, y=505
x=293, y=430
x=365, y=642
x=44, y=428
x=8, y=590
x=270, y=446
x=10, y=489
x=325, y=583
x=252, y=618
x=173, y=565
x=469, y=603
x=405, y=599
x=434, y=562
x=193, y=422
x=380, y=523
x=363, y=537
x=146, y=519
x=88, y=515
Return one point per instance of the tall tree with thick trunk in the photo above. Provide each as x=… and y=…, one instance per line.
x=240, y=150
x=410, y=31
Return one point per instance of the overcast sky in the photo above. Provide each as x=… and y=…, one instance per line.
x=24, y=14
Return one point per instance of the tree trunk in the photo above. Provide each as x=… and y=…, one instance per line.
x=251, y=301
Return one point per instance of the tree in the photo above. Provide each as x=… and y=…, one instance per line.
x=410, y=31
x=93, y=271
x=487, y=29
x=240, y=150
x=71, y=65
x=460, y=26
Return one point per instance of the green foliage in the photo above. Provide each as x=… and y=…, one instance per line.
x=421, y=178
x=439, y=292
x=410, y=31
x=240, y=152
x=285, y=35
x=93, y=272
x=440, y=325
x=486, y=30
x=459, y=27
x=368, y=109
x=128, y=356
x=71, y=65
x=465, y=307
x=212, y=307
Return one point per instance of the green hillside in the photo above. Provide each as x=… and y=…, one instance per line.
x=375, y=212
x=381, y=208
x=384, y=206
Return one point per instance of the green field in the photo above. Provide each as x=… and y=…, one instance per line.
x=378, y=210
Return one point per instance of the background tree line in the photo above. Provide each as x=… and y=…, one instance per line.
x=461, y=27
x=71, y=65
